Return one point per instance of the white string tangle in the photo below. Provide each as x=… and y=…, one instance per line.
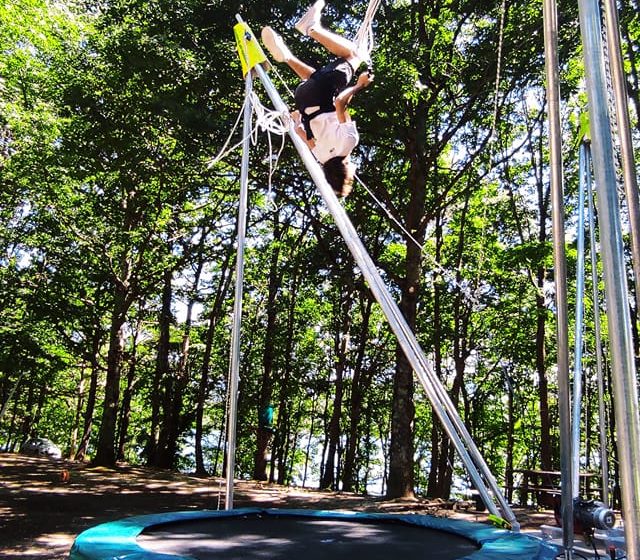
x=223, y=153
x=267, y=120
x=272, y=122
x=364, y=39
x=446, y=274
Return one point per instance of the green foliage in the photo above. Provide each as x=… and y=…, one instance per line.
x=108, y=116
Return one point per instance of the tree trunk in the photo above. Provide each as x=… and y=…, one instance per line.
x=460, y=354
x=328, y=480
x=342, y=312
x=511, y=420
x=264, y=432
x=164, y=455
x=125, y=409
x=106, y=451
x=546, y=454
x=401, y=476
x=437, y=433
x=81, y=453
x=307, y=454
x=181, y=416
x=203, y=385
x=73, y=438
x=358, y=388
x=328, y=397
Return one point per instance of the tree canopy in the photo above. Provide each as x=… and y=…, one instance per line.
x=118, y=243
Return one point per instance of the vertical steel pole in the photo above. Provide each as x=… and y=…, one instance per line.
x=234, y=366
x=550, y=16
x=604, y=461
x=624, y=134
x=615, y=277
x=579, y=329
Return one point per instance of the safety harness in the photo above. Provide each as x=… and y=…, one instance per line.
x=307, y=118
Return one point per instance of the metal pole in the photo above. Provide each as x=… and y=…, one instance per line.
x=604, y=461
x=440, y=400
x=234, y=367
x=579, y=329
x=550, y=16
x=624, y=134
x=615, y=277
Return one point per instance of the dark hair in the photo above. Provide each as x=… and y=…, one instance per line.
x=335, y=171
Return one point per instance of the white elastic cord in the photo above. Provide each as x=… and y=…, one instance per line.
x=364, y=38
x=446, y=274
x=268, y=120
x=223, y=151
x=272, y=122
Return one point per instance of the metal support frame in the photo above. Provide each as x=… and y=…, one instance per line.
x=615, y=277
x=550, y=16
x=629, y=177
x=623, y=366
x=579, y=330
x=476, y=466
x=604, y=461
x=234, y=366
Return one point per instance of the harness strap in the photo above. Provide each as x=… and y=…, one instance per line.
x=306, y=118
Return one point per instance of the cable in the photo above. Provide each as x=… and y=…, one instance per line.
x=364, y=38
x=222, y=153
x=272, y=122
x=446, y=274
x=268, y=120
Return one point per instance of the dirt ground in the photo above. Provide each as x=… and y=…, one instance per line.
x=41, y=513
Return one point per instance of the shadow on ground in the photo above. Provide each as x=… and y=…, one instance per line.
x=41, y=511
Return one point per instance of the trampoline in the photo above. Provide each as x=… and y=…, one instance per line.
x=257, y=534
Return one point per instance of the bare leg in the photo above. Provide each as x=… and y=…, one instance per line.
x=281, y=53
x=336, y=44
x=302, y=69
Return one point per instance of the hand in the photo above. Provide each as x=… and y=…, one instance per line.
x=296, y=117
x=365, y=79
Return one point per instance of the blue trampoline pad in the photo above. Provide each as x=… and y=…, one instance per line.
x=253, y=534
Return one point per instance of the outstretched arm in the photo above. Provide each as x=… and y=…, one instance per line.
x=344, y=98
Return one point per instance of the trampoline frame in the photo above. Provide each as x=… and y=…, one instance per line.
x=117, y=539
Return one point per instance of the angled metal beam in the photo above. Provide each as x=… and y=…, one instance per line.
x=476, y=466
x=550, y=23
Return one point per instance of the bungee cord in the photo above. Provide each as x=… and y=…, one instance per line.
x=365, y=39
x=267, y=120
x=446, y=274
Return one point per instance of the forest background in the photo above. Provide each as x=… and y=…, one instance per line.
x=118, y=244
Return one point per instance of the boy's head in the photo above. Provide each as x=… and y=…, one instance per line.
x=339, y=172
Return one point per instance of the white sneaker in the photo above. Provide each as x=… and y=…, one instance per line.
x=275, y=45
x=310, y=18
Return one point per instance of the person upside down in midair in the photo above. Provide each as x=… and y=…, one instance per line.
x=322, y=98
